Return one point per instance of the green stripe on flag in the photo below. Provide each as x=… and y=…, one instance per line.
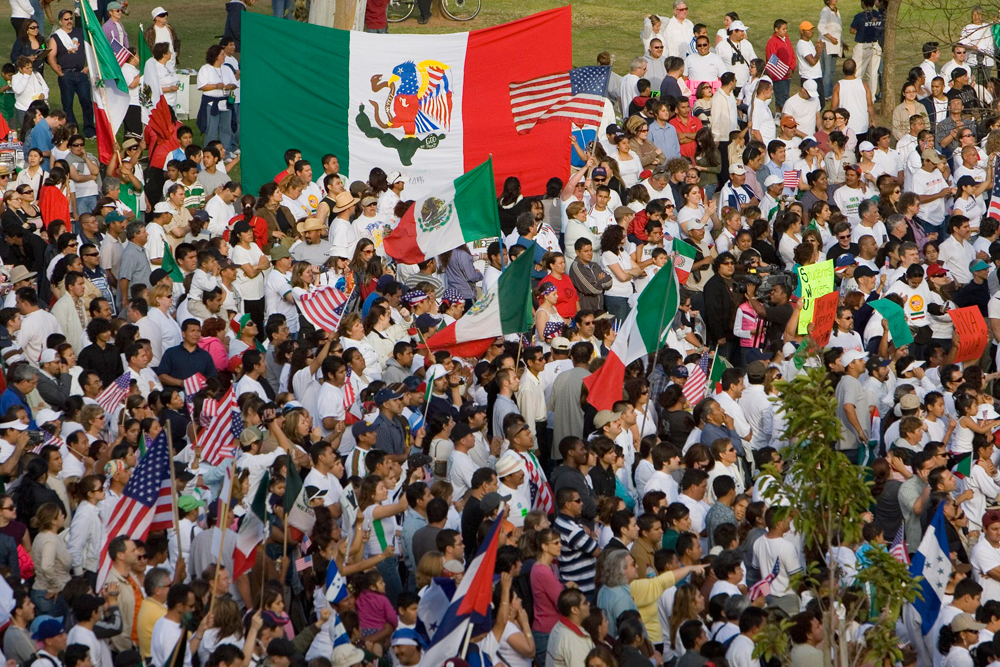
x=514, y=292
x=169, y=264
x=259, y=504
x=430, y=388
x=104, y=56
x=293, y=487
x=719, y=366
x=657, y=306
x=475, y=202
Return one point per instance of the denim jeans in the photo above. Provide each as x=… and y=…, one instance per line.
x=234, y=140
x=220, y=126
x=389, y=569
x=78, y=84
x=829, y=64
x=617, y=306
x=541, y=645
x=85, y=204
x=782, y=90
x=39, y=15
x=282, y=8
x=55, y=607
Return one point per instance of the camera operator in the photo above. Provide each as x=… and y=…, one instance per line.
x=776, y=315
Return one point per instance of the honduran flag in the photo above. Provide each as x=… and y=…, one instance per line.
x=108, y=86
x=503, y=309
x=643, y=332
x=431, y=107
x=461, y=212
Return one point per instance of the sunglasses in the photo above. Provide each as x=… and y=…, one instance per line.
x=91, y=254
x=76, y=145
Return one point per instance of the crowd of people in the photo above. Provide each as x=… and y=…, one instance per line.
x=630, y=536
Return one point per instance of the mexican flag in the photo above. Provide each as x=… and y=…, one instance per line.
x=463, y=211
x=432, y=107
x=169, y=264
x=160, y=131
x=505, y=309
x=252, y=530
x=719, y=366
x=299, y=514
x=685, y=261
x=108, y=86
x=642, y=332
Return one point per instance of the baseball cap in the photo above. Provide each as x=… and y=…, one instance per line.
x=158, y=11
x=406, y=637
x=48, y=629
x=966, y=180
x=605, y=417
x=161, y=207
x=491, y=501
x=469, y=409
x=805, y=25
x=279, y=252
x=612, y=129
x=394, y=177
x=866, y=146
x=436, y=371
x=426, y=321
x=114, y=216
x=362, y=427
x=386, y=394
x=560, y=344
x=678, y=372
x=599, y=171
x=461, y=430
x=843, y=261
x=935, y=270
x=16, y=424
x=932, y=155
x=772, y=180
x=188, y=503
x=811, y=87
x=756, y=370
x=864, y=272
x=202, y=215
x=48, y=356
x=964, y=622
x=788, y=121
x=978, y=265
x=697, y=224
x=958, y=73
x=367, y=201
x=737, y=25
x=909, y=401
x=808, y=142
x=45, y=415
x=737, y=168
x=851, y=356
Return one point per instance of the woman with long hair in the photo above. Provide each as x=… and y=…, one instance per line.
x=30, y=43
x=693, y=207
x=215, y=341
x=381, y=517
x=279, y=220
x=788, y=229
x=618, y=262
x=688, y=606
x=226, y=629
x=510, y=204
x=30, y=214
x=160, y=299
x=460, y=272
x=908, y=107
x=939, y=301
x=708, y=161
x=837, y=158
x=52, y=558
x=33, y=174
x=810, y=162
x=366, y=267
x=251, y=263
x=54, y=200
x=382, y=335
x=86, y=532
x=890, y=191
x=545, y=588
x=439, y=427
x=629, y=163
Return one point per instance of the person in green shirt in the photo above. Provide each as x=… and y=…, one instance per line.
x=677, y=519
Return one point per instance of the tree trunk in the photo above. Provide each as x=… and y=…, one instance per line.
x=889, y=86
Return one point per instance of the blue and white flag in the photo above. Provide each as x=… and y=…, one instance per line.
x=336, y=587
x=434, y=605
x=932, y=562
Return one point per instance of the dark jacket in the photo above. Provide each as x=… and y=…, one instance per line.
x=603, y=481
x=56, y=391
x=149, y=34
x=234, y=20
x=590, y=281
x=566, y=477
x=8, y=556
x=28, y=497
x=720, y=310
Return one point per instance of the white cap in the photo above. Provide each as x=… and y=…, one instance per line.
x=696, y=224
x=811, y=87
x=45, y=415
x=866, y=146
x=509, y=464
x=435, y=372
x=737, y=25
x=773, y=180
x=17, y=425
x=157, y=11
x=162, y=207
x=987, y=412
x=737, y=168
x=851, y=356
x=913, y=366
x=338, y=250
x=48, y=356
x=394, y=177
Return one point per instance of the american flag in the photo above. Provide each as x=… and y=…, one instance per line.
x=538, y=485
x=147, y=493
x=48, y=439
x=225, y=424
x=776, y=68
x=193, y=384
x=898, y=548
x=324, y=308
x=576, y=95
x=763, y=587
x=697, y=382
x=350, y=401
x=115, y=393
x=435, y=105
x=303, y=563
x=791, y=180
x=122, y=54
x=994, y=211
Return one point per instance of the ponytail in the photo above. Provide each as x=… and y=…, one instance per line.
x=946, y=639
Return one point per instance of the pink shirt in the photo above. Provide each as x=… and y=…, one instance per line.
x=374, y=611
x=545, y=589
x=214, y=347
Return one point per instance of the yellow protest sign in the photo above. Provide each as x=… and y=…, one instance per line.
x=815, y=280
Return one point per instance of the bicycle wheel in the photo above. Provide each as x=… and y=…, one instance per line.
x=399, y=10
x=461, y=10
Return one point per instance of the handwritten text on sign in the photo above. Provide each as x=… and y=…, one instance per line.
x=815, y=281
x=823, y=317
x=972, y=332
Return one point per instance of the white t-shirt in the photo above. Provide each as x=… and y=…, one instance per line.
x=805, y=48
x=707, y=67
x=930, y=183
x=766, y=551
x=803, y=111
x=329, y=403
x=623, y=260
x=276, y=286
x=848, y=200
x=983, y=559
x=763, y=120
x=250, y=288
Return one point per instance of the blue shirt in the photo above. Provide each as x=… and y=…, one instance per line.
x=665, y=138
x=11, y=397
x=537, y=274
x=40, y=137
x=869, y=26
x=180, y=364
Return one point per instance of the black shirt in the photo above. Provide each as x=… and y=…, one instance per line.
x=472, y=516
x=107, y=363
x=777, y=318
x=838, y=250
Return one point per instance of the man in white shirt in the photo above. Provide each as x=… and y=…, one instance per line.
x=956, y=253
x=666, y=460
x=330, y=401
x=959, y=54
x=461, y=467
x=52, y=634
x=805, y=107
x=931, y=184
x=737, y=53
x=325, y=474
x=773, y=548
x=912, y=154
x=601, y=217
x=985, y=557
x=740, y=651
x=630, y=83
x=807, y=56
x=732, y=390
x=220, y=208
x=254, y=370
x=756, y=407
x=679, y=30
x=703, y=65
x=88, y=610
x=694, y=486
x=167, y=631
x=312, y=194
x=761, y=118
x=932, y=54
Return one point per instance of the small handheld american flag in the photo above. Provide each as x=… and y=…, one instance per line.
x=697, y=382
x=791, y=180
x=122, y=55
x=114, y=394
x=776, y=68
x=898, y=548
x=324, y=308
x=48, y=439
x=763, y=587
x=994, y=210
x=576, y=95
x=225, y=425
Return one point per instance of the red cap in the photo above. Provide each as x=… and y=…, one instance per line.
x=936, y=270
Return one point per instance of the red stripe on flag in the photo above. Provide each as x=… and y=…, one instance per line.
x=605, y=386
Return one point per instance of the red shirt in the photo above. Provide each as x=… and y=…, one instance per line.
x=786, y=53
x=692, y=127
x=375, y=14
x=281, y=175
x=568, y=297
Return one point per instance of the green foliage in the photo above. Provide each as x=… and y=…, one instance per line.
x=828, y=498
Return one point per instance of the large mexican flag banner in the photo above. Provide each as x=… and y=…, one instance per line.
x=432, y=107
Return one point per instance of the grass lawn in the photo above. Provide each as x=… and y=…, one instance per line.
x=597, y=26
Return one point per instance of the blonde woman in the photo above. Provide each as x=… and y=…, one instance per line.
x=52, y=561
x=160, y=299
x=649, y=155
x=291, y=188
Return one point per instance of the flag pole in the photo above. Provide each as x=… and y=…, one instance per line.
x=104, y=95
x=221, y=523
x=663, y=309
x=173, y=489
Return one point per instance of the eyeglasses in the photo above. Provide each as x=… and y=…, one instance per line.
x=829, y=118
x=91, y=254
x=681, y=9
x=76, y=145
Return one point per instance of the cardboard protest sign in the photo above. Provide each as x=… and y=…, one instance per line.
x=824, y=314
x=815, y=280
x=972, y=333
x=899, y=330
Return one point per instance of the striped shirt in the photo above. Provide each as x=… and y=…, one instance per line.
x=576, y=562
